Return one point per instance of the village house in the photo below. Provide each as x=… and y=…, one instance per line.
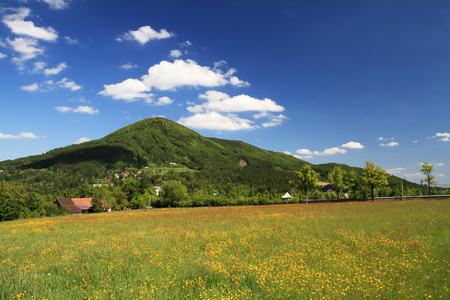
x=79, y=205
x=328, y=188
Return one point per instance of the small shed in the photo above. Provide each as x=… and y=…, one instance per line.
x=286, y=196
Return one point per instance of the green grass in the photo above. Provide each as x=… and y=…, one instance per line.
x=386, y=250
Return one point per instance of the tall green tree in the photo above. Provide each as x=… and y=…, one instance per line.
x=336, y=178
x=307, y=180
x=353, y=182
x=174, y=193
x=374, y=176
x=427, y=170
x=97, y=205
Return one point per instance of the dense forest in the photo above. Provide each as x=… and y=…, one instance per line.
x=124, y=168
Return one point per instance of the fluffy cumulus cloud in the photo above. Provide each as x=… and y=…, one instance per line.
x=390, y=144
x=57, y=4
x=26, y=47
x=30, y=88
x=128, y=90
x=385, y=139
x=166, y=76
x=221, y=102
x=215, y=121
x=444, y=136
x=65, y=83
x=145, y=34
x=56, y=70
x=353, y=145
x=306, y=153
x=79, y=110
x=20, y=136
x=17, y=24
x=170, y=75
x=164, y=101
x=82, y=140
x=175, y=53
x=49, y=85
x=221, y=105
x=396, y=171
x=129, y=66
x=274, y=120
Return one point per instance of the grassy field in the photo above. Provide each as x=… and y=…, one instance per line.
x=386, y=250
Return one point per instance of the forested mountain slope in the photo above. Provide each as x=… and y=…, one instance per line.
x=159, y=141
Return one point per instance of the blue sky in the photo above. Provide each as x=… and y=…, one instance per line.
x=325, y=81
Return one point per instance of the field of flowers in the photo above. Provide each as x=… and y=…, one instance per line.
x=386, y=250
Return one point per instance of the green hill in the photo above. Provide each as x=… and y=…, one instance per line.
x=157, y=142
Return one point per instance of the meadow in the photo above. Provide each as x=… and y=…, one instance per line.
x=385, y=250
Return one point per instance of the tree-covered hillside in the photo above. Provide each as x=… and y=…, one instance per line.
x=154, y=152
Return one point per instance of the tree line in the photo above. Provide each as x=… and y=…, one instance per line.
x=31, y=193
x=374, y=178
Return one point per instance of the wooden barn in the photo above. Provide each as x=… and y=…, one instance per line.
x=75, y=205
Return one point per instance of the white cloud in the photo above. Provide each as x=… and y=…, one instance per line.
x=71, y=41
x=413, y=176
x=221, y=102
x=145, y=34
x=215, y=121
x=396, y=170
x=287, y=152
x=19, y=26
x=68, y=84
x=128, y=90
x=274, y=120
x=304, y=152
x=56, y=70
x=353, y=145
x=39, y=66
x=82, y=140
x=186, y=44
x=30, y=88
x=444, y=136
x=80, y=110
x=168, y=76
x=164, y=101
x=57, y=4
x=129, y=66
x=86, y=110
x=26, y=47
x=20, y=136
x=175, y=53
x=63, y=109
x=51, y=85
x=391, y=144
x=302, y=156
x=440, y=164
x=385, y=139
x=3, y=55
x=331, y=151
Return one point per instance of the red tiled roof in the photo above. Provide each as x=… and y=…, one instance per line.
x=75, y=205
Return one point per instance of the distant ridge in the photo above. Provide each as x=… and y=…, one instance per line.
x=158, y=141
